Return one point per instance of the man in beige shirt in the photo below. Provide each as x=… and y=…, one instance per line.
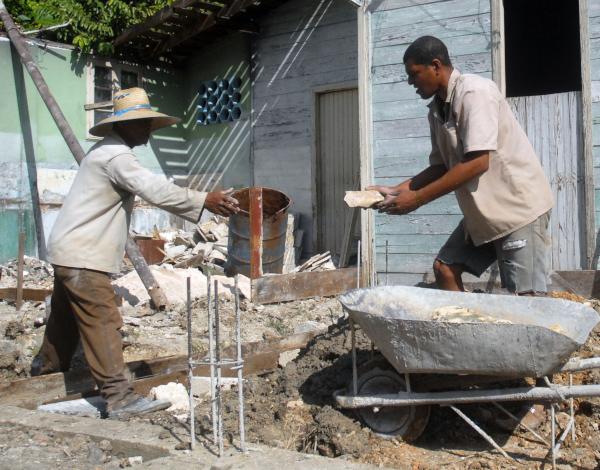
x=88, y=242
x=480, y=152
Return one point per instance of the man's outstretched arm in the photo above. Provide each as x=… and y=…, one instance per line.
x=413, y=196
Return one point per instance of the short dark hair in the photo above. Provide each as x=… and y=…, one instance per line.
x=426, y=48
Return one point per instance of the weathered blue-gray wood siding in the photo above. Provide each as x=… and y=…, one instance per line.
x=553, y=125
x=303, y=46
x=401, y=141
x=594, y=34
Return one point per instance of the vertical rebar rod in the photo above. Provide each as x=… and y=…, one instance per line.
x=386, y=261
x=572, y=410
x=190, y=365
x=553, y=431
x=211, y=356
x=218, y=363
x=354, y=368
x=358, y=266
x=238, y=330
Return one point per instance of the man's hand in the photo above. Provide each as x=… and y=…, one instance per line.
x=401, y=203
x=385, y=190
x=221, y=203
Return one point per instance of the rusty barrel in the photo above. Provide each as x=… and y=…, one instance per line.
x=275, y=208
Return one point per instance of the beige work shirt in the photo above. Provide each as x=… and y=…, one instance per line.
x=514, y=191
x=92, y=226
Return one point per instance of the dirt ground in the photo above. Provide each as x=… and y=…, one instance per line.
x=292, y=408
x=33, y=449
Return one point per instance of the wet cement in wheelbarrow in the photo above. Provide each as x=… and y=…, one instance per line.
x=293, y=408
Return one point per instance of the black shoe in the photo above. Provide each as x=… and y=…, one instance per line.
x=138, y=406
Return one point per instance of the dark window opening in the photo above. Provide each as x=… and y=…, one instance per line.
x=542, y=49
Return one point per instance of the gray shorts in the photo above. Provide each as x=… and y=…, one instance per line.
x=523, y=256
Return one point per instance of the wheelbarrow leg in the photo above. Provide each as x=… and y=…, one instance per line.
x=481, y=432
x=518, y=421
x=354, y=367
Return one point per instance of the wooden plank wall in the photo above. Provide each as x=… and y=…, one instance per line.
x=303, y=45
x=594, y=36
x=553, y=125
x=401, y=142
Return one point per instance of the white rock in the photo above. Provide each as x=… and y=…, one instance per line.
x=175, y=393
x=228, y=284
x=131, y=320
x=288, y=356
x=173, y=282
x=310, y=326
x=362, y=198
x=201, y=246
x=173, y=251
x=201, y=385
x=138, y=459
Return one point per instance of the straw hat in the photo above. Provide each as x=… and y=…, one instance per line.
x=130, y=104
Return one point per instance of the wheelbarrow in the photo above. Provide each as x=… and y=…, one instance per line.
x=442, y=348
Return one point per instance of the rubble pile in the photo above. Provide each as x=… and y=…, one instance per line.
x=36, y=273
x=207, y=245
x=320, y=262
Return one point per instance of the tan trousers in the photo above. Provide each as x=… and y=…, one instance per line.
x=83, y=305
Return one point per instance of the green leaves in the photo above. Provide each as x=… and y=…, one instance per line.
x=94, y=23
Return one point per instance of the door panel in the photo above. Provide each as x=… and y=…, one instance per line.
x=553, y=125
x=338, y=165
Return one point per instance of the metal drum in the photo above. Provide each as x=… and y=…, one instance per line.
x=275, y=208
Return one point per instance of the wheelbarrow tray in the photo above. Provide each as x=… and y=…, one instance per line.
x=543, y=332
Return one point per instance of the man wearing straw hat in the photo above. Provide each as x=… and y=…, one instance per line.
x=88, y=241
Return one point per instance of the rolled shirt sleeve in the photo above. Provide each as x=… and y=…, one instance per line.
x=125, y=171
x=478, y=120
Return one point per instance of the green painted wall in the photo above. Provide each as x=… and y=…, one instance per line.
x=65, y=73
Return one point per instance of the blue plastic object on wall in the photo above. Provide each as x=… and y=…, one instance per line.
x=219, y=101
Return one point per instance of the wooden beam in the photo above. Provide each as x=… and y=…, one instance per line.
x=39, y=295
x=365, y=117
x=20, y=264
x=589, y=211
x=284, y=287
x=498, y=62
x=256, y=232
x=259, y=357
x=203, y=24
x=101, y=104
x=242, y=26
x=155, y=20
x=233, y=8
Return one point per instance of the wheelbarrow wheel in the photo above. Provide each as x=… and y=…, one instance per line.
x=406, y=422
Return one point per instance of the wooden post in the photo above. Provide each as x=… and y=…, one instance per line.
x=367, y=223
x=256, y=232
x=589, y=209
x=20, y=262
x=156, y=295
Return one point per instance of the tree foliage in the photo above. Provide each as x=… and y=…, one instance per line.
x=94, y=23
